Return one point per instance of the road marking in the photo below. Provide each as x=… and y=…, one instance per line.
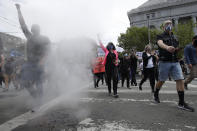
x=122, y=100
x=191, y=127
x=17, y=121
x=103, y=90
x=89, y=125
x=189, y=85
x=24, y=118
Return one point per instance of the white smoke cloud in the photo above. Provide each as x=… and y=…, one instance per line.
x=67, y=18
x=68, y=23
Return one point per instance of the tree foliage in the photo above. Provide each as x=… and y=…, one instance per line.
x=184, y=33
x=136, y=38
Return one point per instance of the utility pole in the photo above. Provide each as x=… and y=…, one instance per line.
x=148, y=19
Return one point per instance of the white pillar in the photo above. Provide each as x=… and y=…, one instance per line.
x=176, y=20
x=194, y=21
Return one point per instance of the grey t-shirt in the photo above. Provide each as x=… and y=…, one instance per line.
x=37, y=47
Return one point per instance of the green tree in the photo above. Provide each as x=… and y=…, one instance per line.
x=136, y=38
x=184, y=33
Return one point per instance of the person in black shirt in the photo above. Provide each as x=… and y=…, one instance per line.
x=133, y=67
x=111, y=69
x=169, y=65
x=37, y=47
x=125, y=70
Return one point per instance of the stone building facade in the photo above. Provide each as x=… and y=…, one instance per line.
x=9, y=43
x=154, y=12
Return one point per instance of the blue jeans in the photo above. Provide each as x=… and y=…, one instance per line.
x=172, y=69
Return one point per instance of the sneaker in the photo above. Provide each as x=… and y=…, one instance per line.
x=156, y=98
x=109, y=94
x=186, y=107
x=140, y=87
x=185, y=86
x=116, y=96
x=129, y=87
x=135, y=84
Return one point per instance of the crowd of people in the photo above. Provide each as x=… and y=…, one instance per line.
x=158, y=67
x=28, y=73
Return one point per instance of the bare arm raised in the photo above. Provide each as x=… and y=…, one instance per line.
x=25, y=30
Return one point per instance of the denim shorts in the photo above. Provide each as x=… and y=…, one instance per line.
x=31, y=72
x=172, y=69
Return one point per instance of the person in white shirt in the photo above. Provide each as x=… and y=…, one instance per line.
x=149, y=62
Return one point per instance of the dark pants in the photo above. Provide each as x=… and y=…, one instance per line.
x=149, y=73
x=1, y=77
x=125, y=75
x=156, y=74
x=97, y=78
x=133, y=78
x=31, y=79
x=112, y=74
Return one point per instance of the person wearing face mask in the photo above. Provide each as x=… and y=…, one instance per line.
x=190, y=53
x=133, y=67
x=125, y=70
x=111, y=63
x=168, y=64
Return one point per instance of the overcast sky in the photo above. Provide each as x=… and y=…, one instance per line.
x=62, y=19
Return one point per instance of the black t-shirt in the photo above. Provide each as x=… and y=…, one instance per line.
x=37, y=46
x=133, y=60
x=125, y=65
x=169, y=40
x=111, y=58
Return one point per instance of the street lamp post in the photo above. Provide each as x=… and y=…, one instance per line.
x=148, y=19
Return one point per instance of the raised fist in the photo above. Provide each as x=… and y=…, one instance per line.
x=17, y=6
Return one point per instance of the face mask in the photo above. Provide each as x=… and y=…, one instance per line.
x=168, y=28
x=111, y=47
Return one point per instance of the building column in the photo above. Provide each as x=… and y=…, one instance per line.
x=176, y=22
x=194, y=21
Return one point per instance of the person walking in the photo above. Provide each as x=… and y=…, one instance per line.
x=149, y=62
x=125, y=70
x=133, y=67
x=190, y=53
x=111, y=63
x=168, y=64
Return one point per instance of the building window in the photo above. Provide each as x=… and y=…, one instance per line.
x=153, y=15
x=147, y=16
x=159, y=14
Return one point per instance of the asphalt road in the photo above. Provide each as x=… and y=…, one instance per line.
x=93, y=110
